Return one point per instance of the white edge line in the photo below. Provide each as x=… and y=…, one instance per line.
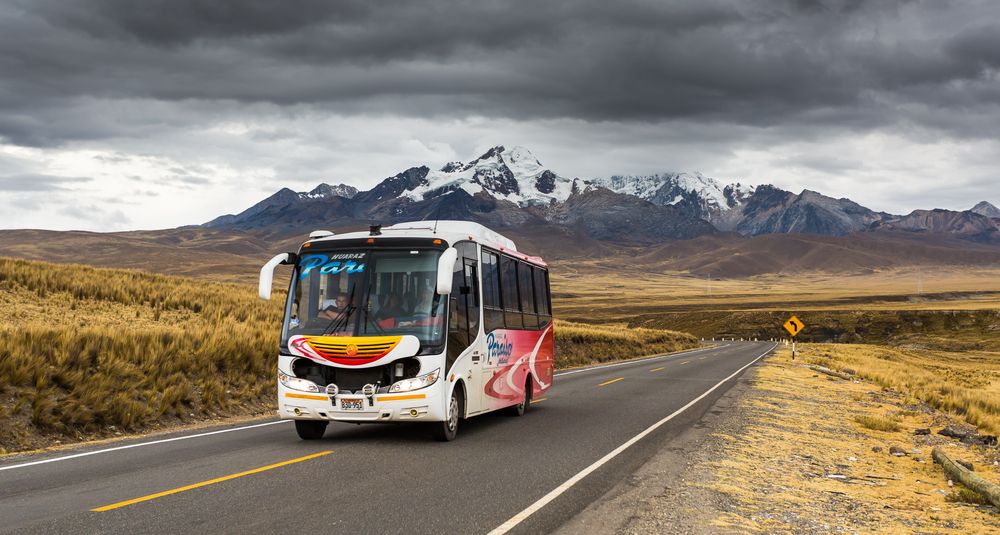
x=544, y=500
x=633, y=361
x=129, y=446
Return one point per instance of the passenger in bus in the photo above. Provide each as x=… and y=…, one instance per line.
x=393, y=307
x=332, y=307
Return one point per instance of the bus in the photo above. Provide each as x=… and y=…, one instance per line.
x=428, y=321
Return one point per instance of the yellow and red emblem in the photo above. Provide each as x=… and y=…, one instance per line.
x=355, y=350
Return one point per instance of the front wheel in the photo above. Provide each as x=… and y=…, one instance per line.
x=447, y=430
x=310, y=429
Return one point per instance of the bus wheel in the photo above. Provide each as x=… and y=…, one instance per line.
x=447, y=430
x=520, y=408
x=310, y=429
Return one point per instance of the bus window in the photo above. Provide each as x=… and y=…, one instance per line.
x=508, y=287
x=542, y=297
x=492, y=309
x=527, y=296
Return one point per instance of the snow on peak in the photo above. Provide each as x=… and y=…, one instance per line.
x=672, y=188
x=325, y=191
x=511, y=174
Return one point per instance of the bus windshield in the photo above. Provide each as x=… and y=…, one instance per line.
x=367, y=293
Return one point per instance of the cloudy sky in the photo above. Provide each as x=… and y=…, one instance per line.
x=126, y=114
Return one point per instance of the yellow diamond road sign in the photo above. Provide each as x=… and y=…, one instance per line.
x=794, y=326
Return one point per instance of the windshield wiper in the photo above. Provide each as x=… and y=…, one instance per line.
x=344, y=315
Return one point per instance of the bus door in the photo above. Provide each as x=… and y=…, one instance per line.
x=464, y=343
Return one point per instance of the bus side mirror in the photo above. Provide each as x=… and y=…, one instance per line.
x=446, y=264
x=267, y=273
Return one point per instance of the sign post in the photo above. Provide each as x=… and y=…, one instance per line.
x=794, y=326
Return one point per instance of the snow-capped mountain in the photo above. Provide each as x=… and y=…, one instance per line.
x=325, y=191
x=693, y=193
x=513, y=175
x=510, y=188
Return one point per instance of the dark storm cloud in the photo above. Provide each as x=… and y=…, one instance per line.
x=845, y=64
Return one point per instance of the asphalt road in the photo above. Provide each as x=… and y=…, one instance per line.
x=566, y=452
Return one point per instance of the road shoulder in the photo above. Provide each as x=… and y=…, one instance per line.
x=785, y=450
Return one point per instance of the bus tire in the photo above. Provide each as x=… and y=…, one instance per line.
x=522, y=407
x=310, y=429
x=447, y=430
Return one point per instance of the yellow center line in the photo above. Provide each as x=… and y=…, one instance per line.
x=206, y=483
x=539, y=400
x=611, y=381
x=658, y=369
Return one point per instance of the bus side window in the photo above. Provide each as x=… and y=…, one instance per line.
x=511, y=300
x=527, y=295
x=492, y=309
x=542, y=297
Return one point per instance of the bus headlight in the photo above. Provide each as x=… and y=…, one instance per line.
x=418, y=382
x=297, y=384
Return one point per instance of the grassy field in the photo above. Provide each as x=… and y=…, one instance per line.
x=942, y=306
x=89, y=352
x=963, y=383
x=580, y=344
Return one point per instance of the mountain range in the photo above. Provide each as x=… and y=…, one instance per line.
x=666, y=222
x=511, y=189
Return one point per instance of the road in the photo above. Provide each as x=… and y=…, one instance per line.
x=502, y=474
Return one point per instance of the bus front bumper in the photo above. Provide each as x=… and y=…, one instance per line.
x=357, y=408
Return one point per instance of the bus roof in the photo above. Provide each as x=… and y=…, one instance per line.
x=450, y=230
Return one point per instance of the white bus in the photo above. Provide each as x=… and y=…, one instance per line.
x=423, y=321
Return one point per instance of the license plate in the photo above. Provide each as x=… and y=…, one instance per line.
x=352, y=404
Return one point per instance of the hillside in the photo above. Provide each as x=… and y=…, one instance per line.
x=233, y=255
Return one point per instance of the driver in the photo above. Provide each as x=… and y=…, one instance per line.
x=335, y=307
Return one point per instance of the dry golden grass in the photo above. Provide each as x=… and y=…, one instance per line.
x=88, y=352
x=800, y=461
x=581, y=344
x=877, y=422
x=966, y=384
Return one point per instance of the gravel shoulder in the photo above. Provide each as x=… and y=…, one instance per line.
x=789, y=450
